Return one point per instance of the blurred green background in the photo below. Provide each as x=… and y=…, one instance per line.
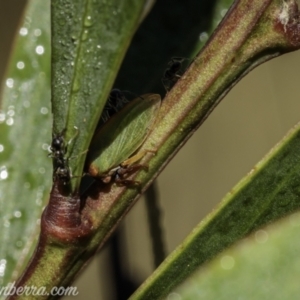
x=252, y=118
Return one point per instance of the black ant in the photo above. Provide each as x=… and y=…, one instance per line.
x=57, y=145
x=171, y=74
x=58, y=149
x=63, y=172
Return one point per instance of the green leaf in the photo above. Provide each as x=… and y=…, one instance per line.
x=270, y=191
x=263, y=266
x=89, y=40
x=25, y=169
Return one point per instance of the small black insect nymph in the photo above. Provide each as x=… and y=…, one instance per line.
x=115, y=102
x=172, y=73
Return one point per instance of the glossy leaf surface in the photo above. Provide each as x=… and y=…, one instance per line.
x=25, y=134
x=262, y=266
x=269, y=192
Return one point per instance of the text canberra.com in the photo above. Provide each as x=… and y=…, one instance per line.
x=10, y=289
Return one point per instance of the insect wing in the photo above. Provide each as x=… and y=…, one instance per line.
x=123, y=134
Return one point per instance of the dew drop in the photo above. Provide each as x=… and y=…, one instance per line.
x=73, y=38
x=3, y=173
x=11, y=112
x=9, y=82
x=88, y=21
x=84, y=35
x=39, y=50
x=223, y=12
x=203, y=36
x=37, y=32
x=174, y=296
x=17, y=214
x=2, y=116
x=2, y=267
x=28, y=19
x=98, y=65
x=38, y=202
x=46, y=147
x=44, y=110
x=20, y=65
x=227, y=262
x=6, y=223
x=23, y=31
x=1, y=148
x=76, y=86
x=10, y=121
x=39, y=196
x=26, y=103
x=66, y=56
x=261, y=236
